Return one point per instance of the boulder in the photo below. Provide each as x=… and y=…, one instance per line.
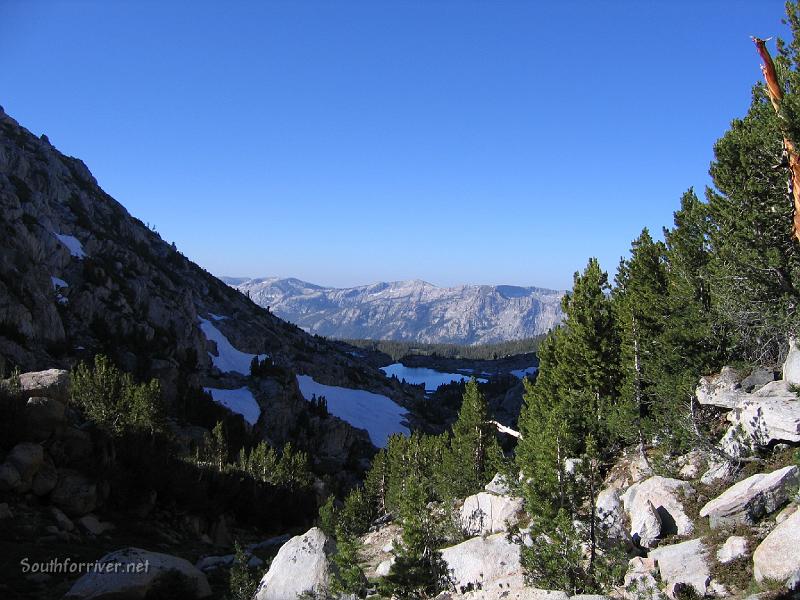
x=74, y=493
x=9, y=478
x=683, y=566
x=733, y=548
x=655, y=510
x=45, y=479
x=209, y=563
x=140, y=570
x=44, y=417
x=718, y=470
x=483, y=562
x=769, y=415
x=26, y=458
x=612, y=515
x=791, y=366
x=300, y=566
x=751, y=498
x=778, y=557
x=486, y=513
x=53, y=383
x=757, y=379
x=723, y=390
x=498, y=485
x=786, y=513
x=505, y=593
x=691, y=464
x=5, y=512
x=640, y=582
x=63, y=521
x=92, y=525
x=382, y=570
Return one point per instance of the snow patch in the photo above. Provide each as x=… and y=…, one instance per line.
x=58, y=283
x=379, y=415
x=217, y=317
x=228, y=358
x=72, y=243
x=240, y=401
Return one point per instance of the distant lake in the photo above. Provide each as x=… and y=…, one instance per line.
x=416, y=375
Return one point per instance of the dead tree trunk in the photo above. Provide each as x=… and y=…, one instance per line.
x=775, y=93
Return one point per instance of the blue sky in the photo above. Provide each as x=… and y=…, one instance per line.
x=350, y=142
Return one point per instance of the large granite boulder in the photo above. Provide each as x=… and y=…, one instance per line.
x=300, y=566
x=138, y=572
x=791, y=366
x=771, y=414
x=44, y=417
x=484, y=562
x=777, y=558
x=682, y=566
x=612, y=515
x=26, y=458
x=722, y=390
x=517, y=593
x=655, y=509
x=485, y=513
x=53, y=383
x=734, y=547
x=74, y=493
x=751, y=498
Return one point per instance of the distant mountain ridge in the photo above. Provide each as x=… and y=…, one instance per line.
x=412, y=310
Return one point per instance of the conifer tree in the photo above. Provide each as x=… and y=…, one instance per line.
x=469, y=464
x=640, y=302
x=419, y=570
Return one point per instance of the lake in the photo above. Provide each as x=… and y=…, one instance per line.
x=416, y=375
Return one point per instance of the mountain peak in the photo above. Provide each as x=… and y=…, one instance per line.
x=411, y=309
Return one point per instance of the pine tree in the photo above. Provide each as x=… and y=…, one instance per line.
x=347, y=576
x=468, y=464
x=640, y=302
x=419, y=570
x=242, y=584
x=755, y=263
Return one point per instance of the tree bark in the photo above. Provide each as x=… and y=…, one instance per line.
x=775, y=93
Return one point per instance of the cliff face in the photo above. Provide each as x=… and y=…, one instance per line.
x=410, y=310
x=79, y=275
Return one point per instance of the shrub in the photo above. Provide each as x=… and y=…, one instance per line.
x=113, y=400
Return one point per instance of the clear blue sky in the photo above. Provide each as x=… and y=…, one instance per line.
x=350, y=142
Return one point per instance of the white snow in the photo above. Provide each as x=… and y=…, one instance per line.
x=521, y=373
x=379, y=415
x=58, y=283
x=228, y=358
x=217, y=317
x=72, y=243
x=240, y=401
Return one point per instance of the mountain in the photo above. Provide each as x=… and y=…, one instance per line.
x=80, y=276
x=409, y=310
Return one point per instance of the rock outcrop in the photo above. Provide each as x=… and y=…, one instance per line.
x=132, y=573
x=485, y=563
x=486, y=513
x=655, y=509
x=777, y=558
x=751, y=498
x=300, y=566
x=682, y=566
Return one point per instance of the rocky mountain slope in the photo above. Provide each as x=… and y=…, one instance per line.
x=79, y=276
x=409, y=310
